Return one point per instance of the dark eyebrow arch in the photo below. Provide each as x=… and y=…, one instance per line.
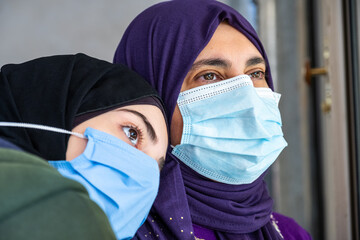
x=254, y=61
x=148, y=125
x=218, y=62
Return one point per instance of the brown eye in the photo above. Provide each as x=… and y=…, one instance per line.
x=132, y=134
x=258, y=75
x=209, y=77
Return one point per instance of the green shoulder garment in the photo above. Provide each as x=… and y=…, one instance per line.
x=36, y=202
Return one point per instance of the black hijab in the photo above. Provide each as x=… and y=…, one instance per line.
x=53, y=90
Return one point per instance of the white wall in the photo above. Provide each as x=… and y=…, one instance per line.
x=30, y=29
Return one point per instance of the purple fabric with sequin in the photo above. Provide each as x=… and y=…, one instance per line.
x=289, y=229
x=203, y=233
x=161, y=44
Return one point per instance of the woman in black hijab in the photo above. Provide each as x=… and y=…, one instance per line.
x=70, y=92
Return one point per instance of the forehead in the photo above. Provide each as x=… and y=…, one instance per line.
x=228, y=41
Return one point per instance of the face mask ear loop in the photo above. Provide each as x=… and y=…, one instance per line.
x=41, y=127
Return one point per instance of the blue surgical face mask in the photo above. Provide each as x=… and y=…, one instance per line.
x=121, y=179
x=232, y=131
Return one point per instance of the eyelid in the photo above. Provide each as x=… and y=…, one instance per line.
x=255, y=68
x=255, y=71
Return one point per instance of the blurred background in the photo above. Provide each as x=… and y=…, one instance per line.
x=313, y=48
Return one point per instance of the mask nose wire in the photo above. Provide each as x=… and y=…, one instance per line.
x=41, y=127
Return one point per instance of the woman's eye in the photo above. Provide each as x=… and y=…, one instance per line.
x=209, y=77
x=258, y=75
x=132, y=134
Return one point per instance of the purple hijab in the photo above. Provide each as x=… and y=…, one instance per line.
x=161, y=44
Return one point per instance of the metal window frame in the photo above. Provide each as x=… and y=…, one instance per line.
x=334, y=128
x=352, y=53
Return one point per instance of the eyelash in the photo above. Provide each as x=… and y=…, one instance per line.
x=208, y=73
x=138, y=131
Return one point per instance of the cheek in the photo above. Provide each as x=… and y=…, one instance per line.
x=75, y=148
x=261, y=84
x=176, y=127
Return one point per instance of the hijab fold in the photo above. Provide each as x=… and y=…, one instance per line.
x=244, y=207
x=53, y=90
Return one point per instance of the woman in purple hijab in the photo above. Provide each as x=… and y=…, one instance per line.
x=200, y=55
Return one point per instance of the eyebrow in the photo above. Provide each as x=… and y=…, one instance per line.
x=254, y=61
x=148, y=125
x=218, y=62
